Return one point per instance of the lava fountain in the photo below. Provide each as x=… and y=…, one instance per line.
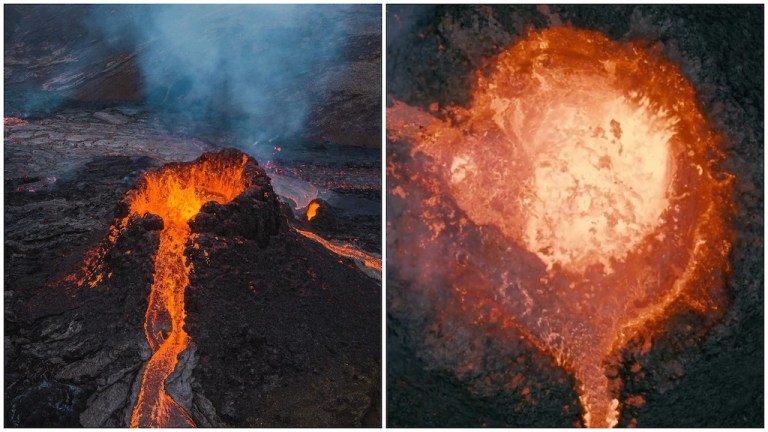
x=596, y=175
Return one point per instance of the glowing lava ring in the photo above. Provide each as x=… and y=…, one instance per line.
x=593, y=162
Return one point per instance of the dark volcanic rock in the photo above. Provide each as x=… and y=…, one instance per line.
x=421, y=392
x=285, y=331
x=336, y=224
x=88, y=339
x=325, y=216
x=254, y=215
x=48, y=403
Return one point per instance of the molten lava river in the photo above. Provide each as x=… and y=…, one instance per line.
x=576, y=201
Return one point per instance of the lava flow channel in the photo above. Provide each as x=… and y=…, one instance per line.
x=589, y=179
x=175, y=193
x=347, y=251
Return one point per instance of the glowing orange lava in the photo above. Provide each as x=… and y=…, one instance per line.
x=312, y=210
x=594, y=163
x=175, y=193
x=345, y=250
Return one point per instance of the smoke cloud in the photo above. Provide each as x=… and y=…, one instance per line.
x=253, y=63
x=257, y=71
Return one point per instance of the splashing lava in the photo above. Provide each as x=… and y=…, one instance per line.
x=593, y=162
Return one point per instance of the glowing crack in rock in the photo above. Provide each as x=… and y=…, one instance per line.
x=359, y=257
x=589, y=156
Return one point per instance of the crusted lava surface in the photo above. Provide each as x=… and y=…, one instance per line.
x=696, y=370
x=72, y=356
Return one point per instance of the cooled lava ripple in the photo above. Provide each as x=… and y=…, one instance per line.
x=577, y=201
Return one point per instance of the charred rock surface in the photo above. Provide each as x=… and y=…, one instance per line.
x=254, y=215
x=695, y=372
x=71, y=355
x=285, y=332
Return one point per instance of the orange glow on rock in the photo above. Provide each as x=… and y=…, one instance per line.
x=175, y=193
x=347, y=251
x=312, y=210
x=595, y=165
x=14, y=121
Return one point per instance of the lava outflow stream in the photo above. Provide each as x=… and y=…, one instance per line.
x=590, y=179
x=175, y=193
x=166, y=305
x=369, y=261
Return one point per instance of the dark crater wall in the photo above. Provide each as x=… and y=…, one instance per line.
x=286, y=334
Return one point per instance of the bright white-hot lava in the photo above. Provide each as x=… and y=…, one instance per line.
x=589, y=155
x=600, y=178
x=586, y=165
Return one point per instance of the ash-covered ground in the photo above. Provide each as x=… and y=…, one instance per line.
x=712, y=378
x=284, y=332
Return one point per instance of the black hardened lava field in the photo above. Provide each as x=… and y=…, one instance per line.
x=575, y=216
x=192, y=216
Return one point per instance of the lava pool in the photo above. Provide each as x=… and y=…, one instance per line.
x=576, y=203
